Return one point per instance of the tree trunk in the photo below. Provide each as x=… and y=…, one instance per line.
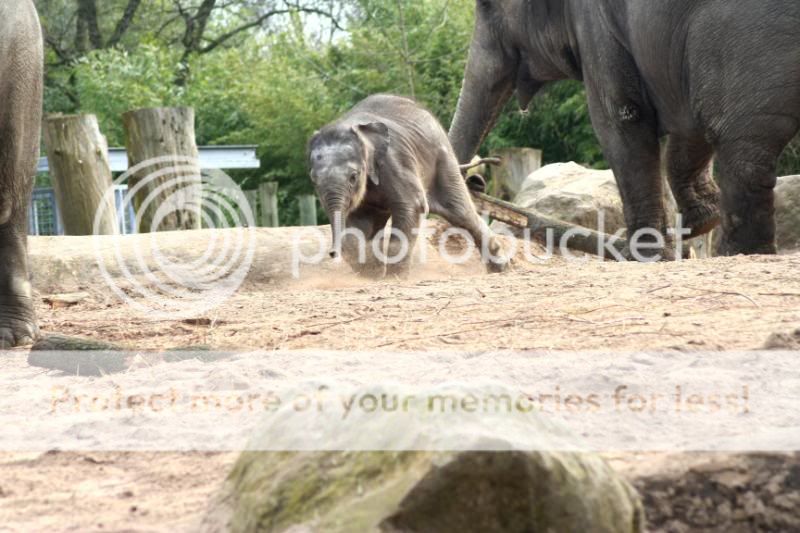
x=269, y=204
x=517, y=164
x=162, y=141
x=78, y=156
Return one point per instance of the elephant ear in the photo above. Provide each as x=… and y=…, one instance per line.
x=377, y=136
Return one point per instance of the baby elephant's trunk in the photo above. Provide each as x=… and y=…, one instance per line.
x=336, y=215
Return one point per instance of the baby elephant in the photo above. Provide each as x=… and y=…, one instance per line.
x=390, y=158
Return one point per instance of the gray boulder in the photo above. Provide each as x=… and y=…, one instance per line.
x=574, y=194
x=787, y=207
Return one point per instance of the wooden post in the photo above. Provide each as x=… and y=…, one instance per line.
x=268, y=193
x=517, y=164
x=308, y=210
x=252, y=199
x=164, y=133
x=78, y=156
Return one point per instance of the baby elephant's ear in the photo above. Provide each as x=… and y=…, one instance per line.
x=377, y=133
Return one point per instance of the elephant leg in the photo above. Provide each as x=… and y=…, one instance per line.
x=451, y=200
x=748, y=178
x=20, y=119
x=689, y=172
x=362, y=227
x=17, y=318
x=627, y=132
x=406, y=227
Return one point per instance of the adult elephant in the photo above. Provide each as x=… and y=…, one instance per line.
x=21, y=65
x=719, y=77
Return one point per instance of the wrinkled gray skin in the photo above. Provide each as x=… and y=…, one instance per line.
x=720, y=77
x=390, y=158
x=21, y=64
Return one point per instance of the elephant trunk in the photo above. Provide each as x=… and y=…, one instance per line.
x=335, y=207
x=488, y=85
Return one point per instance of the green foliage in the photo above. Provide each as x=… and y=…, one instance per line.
x=112, y=82
x=557, y=123
x=789, y=164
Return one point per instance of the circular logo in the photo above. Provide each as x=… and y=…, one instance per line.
x=180, y=274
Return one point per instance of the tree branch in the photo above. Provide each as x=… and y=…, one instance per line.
x=124, y=23
x=87, y=10
x=222, y=39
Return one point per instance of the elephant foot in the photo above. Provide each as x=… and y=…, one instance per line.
x=749, y=233
x=497, y=260
x=729, y=248
x=701, y=219
x=650, y=255
x=648, y=252
x=17, y=322
x=375, y=272
x=400, y=271
x=498, y=265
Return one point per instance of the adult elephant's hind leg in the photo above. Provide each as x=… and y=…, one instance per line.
x=689, y=172
x=20, y=118
x=747, y=177
x=625, y=127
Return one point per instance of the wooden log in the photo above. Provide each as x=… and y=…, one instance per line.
x=308, y=210
x=581, y=239
x=78, y=356
x=173, y=184
x=268, y=194
x=87, y=357
x=515, y=167
x=60, y=301
x=78, y=156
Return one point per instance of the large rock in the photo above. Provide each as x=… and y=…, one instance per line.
x=481, y=492
x=787, y=206
x=445, y=465
x=575, y=194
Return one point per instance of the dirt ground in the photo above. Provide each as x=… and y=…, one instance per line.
x=715, y=304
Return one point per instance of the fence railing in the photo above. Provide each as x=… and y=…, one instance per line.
x=44, y=217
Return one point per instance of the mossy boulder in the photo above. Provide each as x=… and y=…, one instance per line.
x=463, y=492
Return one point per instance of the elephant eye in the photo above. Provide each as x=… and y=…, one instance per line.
x=353, y=178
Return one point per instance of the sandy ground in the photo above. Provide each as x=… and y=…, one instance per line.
x=715, y=305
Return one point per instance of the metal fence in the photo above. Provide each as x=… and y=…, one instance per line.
x=44, y=217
